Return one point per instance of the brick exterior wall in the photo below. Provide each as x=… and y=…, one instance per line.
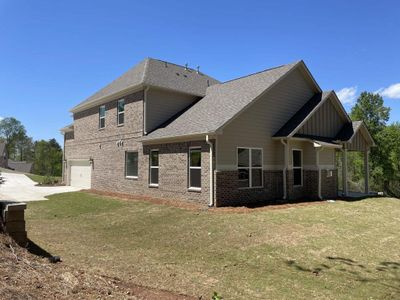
x=108, y=154
x=329, y=185
x=227, y=192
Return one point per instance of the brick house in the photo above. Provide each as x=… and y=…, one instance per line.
x=168, y=131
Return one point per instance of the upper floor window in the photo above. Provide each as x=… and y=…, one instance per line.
x=154, y=168
x=120, y=112
x=297, y=167
x=102, y=116
x=195, y=168
x=249, y=164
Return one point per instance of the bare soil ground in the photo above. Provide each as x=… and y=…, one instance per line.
x=24, y=275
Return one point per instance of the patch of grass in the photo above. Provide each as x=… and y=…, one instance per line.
x=337, y=250
x=44, y=179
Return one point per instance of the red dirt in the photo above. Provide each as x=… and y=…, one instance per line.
x=26, y=276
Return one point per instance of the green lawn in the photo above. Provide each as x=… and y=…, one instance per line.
x=335, y=250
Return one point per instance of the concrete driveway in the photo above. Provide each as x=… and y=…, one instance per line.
x=18, y=187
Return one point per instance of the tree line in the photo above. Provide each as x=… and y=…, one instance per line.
x=46, y=156
x=385, y=157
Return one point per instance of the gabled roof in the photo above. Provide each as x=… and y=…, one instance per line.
x=153, y=72
x=295, y=121
x=222, y=103
x=349, y=130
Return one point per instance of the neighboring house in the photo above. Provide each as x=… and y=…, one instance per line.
x=3, y=155
x=20, y=166
x=168, y=131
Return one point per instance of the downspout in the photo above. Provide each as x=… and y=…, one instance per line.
x=319, y=173
x=144, y=109
x=211, y=202
x=284, y=171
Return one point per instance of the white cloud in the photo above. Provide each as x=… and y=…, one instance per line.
x=392, y=91
x=347, y=95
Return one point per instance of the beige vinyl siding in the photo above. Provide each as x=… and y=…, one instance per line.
x=358, y=142
x=327, y=157
x=308, y=153
x=255, y=126
x=326, y=121
x=161, y=105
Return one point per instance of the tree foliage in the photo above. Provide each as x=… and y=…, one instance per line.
x=48, y=158
x=13, y=133
x=385, y=157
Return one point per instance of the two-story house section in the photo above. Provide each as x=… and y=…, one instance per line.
x=169, y=131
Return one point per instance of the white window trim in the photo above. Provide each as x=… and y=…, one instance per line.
x=194, y=188
x=301, y=167
x=250, y=167
x=130, y=176
x=154, y=167
x=104, y=117
x=120, y=112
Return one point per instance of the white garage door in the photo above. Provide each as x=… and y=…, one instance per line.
x=81, y=173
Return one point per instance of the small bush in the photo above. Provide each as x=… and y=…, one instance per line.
x=216, y=296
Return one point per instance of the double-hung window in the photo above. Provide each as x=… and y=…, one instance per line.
x=131, y=164
x=120, y=112
x=249, y=165
x=195, y=168
x=297, y=167
x=102, y=116
x=154, y=168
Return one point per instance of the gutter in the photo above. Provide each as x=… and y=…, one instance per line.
x=284, y=171
x=211, y=202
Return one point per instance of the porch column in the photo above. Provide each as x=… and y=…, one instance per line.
x=366, y=171
x=344, y=171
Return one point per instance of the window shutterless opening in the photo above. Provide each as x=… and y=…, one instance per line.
x=120, y=112
x=194, y=168
x=102, y=116
x=154, y=168
x=131, y=164
x=297, y=167
x=249, y=166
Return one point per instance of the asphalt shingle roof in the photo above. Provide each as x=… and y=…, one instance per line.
x=221, y=103
x=348, y=130
x=154, y=72
x=301, y=114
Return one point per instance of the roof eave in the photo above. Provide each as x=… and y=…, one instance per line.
x=157, y=140
x=102, y=100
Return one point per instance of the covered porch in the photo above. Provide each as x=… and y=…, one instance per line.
x=354, y=139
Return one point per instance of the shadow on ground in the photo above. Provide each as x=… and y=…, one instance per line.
x=386, y=273
x=35, y=249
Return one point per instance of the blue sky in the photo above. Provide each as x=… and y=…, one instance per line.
x=54, y=54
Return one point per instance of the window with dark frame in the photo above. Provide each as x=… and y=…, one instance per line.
x=131, y=164
x=154, y=168
x=297, y=168
x=249, y=166
x=102, y=116
x=195, y=168
x=120, y=112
